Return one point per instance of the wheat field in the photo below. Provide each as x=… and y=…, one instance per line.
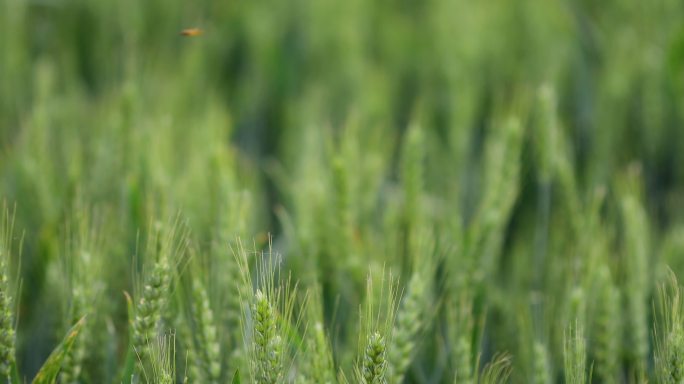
x=327, y=191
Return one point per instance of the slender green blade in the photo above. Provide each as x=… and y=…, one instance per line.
x=50, y=369
x=126, y=370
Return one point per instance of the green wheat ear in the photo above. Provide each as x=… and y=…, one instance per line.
x=72, y=365
x=7, y=294
x=669, y=332
x=268, y=327
x=149, y=309
x=575, y=355
x=376, y=332
x=410, y=320
x=168, y=247
x=230, y=311
x=637, y=285
x=193, y=361
x=460, y=314
x=209, y=342
x=542, y=369
x=317, y=360
x=83, y=268
x=463, y=361
x=267, y=343
x=497, y=371
x=607, y=326
x=374, y=365
x=198, y=327
x=162, y=354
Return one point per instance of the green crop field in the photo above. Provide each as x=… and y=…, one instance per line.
x=341, y=191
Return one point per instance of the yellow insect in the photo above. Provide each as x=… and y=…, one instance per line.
x=191, y=32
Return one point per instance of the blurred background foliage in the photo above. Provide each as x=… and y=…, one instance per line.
x=540, y=143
